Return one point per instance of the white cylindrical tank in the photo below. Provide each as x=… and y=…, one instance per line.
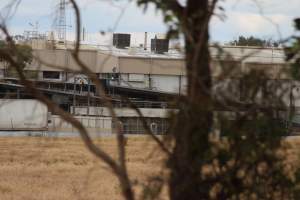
x=23, y=114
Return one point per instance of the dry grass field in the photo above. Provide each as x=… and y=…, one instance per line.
x=61, y=168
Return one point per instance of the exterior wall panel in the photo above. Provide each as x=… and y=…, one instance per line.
x=152, y=65
x=167, y=67
x=165, y=83
x=52, y=57
x=134, y=65
x=87, y=57
x=97, y=62
x=105, y=63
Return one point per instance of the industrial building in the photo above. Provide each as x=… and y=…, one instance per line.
x=149, y=77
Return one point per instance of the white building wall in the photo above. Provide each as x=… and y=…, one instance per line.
x=165, y=83
x=135, y=80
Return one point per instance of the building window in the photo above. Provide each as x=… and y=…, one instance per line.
x=51, y=75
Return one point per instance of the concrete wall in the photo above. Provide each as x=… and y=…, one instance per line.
x=44, y=58
x=23, y=114
x=168, y=67
x=122, y=112
x=62, y=60
x=237, y=60
x=88, y=57
x=165, y=83
x=93, y=124
x=105, y=63
x=134, y=65
x=151, y=66
x=164, y=72
x=135, y=80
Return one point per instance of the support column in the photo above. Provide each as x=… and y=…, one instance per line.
x=89, y=90
x=18, y=94
x=74, y=96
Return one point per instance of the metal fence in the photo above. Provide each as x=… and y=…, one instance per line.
x=134, y=125
x=92, y=124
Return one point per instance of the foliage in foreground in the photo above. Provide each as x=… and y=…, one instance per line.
x=248, y=162
x=293, y=52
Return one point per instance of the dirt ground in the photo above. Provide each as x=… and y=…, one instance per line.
x=62, y=168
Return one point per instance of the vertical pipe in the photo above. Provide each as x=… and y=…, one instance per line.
x=18, y=94
x=150, y=84
x=179, y=85
x=12, y=126
x=145, y=41
x=83, y=34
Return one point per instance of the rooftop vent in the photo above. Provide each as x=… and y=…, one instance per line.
x=121, y=41
x=159, y=46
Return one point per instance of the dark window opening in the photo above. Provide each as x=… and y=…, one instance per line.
x=50, y=75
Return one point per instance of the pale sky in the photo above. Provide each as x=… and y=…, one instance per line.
x=261, y=18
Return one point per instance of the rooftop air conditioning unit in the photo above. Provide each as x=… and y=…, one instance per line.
x=121, y=40
x=159, y=46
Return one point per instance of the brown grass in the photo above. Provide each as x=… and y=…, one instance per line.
x=62, y=168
